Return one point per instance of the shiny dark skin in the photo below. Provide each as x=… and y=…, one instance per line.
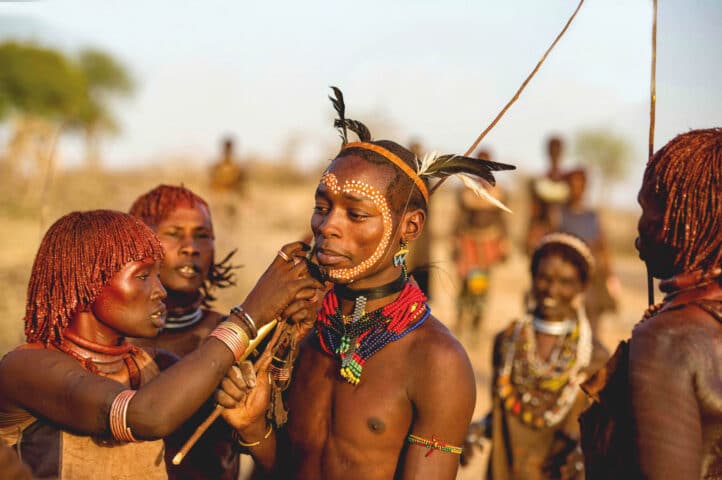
x=674, y=360
x=55, y=386
x=188, y=242
x=335, y=429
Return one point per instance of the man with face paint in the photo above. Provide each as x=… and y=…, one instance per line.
x=539, y=362
x=658, y=401
x=381, y=388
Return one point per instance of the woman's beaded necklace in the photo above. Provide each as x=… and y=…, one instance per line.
x=540, y=393
x=354, y=340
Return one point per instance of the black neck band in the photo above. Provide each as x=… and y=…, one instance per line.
x=346, y=293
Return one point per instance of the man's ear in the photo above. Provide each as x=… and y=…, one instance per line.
x=413, y=224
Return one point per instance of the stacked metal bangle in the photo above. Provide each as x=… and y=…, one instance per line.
x=118, y=417
x=233, y=337
x=239, y=312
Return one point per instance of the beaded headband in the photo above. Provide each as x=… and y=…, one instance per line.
x=575, y=243
x=393, y=158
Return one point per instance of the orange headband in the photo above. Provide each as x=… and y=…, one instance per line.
x=393, y=158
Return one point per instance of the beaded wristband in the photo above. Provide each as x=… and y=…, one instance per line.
x=252, y=444
x=243, y=315
x=232, y=339
x=433, y=444
x=118, y=417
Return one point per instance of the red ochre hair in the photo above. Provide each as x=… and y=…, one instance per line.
x=156, y=205
x=78, y=255
x=687, y=176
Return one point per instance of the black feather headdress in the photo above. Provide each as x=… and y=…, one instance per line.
x=474, y=172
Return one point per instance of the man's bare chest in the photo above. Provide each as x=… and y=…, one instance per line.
x=376, y=412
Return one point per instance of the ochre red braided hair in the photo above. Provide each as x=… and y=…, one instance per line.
x=79, y=254
x=156, y=205
x=687, y=176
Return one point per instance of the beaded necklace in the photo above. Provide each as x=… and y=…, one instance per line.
x=541, y=393
x=367, y=332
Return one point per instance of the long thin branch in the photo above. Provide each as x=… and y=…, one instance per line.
x=518, y=92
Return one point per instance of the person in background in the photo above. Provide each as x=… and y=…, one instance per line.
x=583, y=222
x=189, y=273
x=548, y=193
x=538, y=364
x=480, y=242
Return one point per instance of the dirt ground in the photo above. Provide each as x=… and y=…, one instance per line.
x=272, y=213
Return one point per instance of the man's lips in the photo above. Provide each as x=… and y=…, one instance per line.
x=328, y=257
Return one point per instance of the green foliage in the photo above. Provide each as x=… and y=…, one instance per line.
x=604, y=151
x=103, y=73
x=104, y=77
x=40, y=81
x=43, y=82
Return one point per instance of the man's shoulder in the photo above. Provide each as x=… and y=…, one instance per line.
x=435, y=345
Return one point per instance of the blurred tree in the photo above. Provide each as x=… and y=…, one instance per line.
x=105, y=78
x=40, y=89
x=604, y=152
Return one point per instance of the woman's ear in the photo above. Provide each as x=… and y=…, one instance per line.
x=413, y=224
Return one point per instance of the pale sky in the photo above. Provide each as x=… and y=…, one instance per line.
x=439, y=71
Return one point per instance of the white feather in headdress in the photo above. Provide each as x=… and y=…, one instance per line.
x=478, y=186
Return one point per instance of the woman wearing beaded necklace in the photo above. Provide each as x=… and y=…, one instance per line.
x=77, y=400
x=538, y=364
x=182, y=221
x=658, y=402
x=381, y=389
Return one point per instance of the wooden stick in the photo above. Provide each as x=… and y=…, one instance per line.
x=263, y=332
x=516, y=95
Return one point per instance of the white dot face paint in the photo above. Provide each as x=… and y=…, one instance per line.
x=359, y=188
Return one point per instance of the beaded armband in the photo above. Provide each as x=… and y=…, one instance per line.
x=118, y=417
x=233, y=337
x=240, y=313
x=433, y=444
x=240, y=441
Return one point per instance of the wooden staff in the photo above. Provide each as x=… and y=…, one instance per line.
x=263, y=332
x=652, y=104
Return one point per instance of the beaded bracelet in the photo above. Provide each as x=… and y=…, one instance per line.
x=243, y=315
x=433, y=444
x=240, y=441
x=118, y=417
x=232, y=337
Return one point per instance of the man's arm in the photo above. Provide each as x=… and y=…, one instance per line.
x=664, y=404
x=444, y=395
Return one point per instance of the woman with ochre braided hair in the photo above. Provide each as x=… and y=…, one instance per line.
x=539, y=362
x=182, y=221
x=77, y=400
x=658, y=401
x=381, y=388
